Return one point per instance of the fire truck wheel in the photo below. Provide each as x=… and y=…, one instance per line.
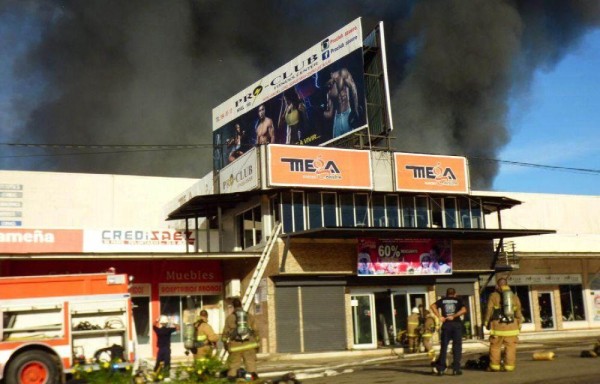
x=33, y=367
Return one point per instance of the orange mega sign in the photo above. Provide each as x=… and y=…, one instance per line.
x=319, y=167
x=431, y=173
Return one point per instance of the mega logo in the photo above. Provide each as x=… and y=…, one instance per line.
x=314, y=168
x=433, y=174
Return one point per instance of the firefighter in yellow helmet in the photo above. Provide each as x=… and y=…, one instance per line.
x=412, y=330
x=503, y=318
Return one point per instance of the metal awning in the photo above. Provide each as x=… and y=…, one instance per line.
x=407, y=233
x=208, y=205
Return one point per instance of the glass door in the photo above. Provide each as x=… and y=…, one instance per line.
x=363, y=322
x=546, y=305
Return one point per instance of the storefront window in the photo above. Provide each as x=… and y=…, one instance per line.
x=173, y=307
x=408, y=212
x=522, y=292
x=329, y=209
x=293, y=211
x=315, y=218
x=391, y=210
x=361, y=206
x=422, y=205
x=250, y=224
x=141, y=316
x=450, y=212
x=347, y=210
x=379, y=211
x=571, y=301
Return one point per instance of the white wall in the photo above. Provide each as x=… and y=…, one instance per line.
x=79, y=200
x=576, y=219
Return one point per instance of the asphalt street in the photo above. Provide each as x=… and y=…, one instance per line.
x=567, y=367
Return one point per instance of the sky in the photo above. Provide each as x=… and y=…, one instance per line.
x=487, y=79
x=557, y=123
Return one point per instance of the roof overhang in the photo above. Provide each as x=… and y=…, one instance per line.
x=208, y=205
x=426, y=233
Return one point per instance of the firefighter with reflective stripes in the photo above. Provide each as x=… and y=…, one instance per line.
x=430, y=326
x=412, y=330
x=503, y=318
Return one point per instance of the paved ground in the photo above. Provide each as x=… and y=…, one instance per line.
x=567, y=366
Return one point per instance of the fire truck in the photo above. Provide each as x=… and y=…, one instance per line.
x=51, y=324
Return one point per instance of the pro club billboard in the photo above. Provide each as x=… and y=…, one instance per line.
x=315, y=98
x=431, y=173
x=319, y=167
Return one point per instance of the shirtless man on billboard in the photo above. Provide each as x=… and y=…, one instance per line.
x=342, y=88
x=265, y=130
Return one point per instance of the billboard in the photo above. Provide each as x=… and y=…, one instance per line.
x=431, y=173
x=316, y=98
x=393, y=257
x=241, y=175
x=319, y=167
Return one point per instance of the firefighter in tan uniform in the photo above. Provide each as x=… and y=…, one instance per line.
x=430, y=326
x=412, y=330
x=205, y=336
x=503, y=318
x=241, y=339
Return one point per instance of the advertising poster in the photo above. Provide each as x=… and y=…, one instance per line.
x=431, y=173
x=319, y=167
x=399, y=257
x=312, y=100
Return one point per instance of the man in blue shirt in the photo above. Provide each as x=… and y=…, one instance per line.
x=449, y=309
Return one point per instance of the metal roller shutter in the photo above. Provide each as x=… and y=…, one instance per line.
x=323, y=318
x=288, y=319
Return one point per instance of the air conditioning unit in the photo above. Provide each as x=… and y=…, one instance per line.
x=233, y=288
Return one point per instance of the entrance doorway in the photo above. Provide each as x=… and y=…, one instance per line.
x=546, y=305
x=380, y=318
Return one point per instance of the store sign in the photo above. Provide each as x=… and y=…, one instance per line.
x=319, y=167
x=431, y=173
x=134, y=240
x=241, y=175
x=563, y=279
x=392, y=257
x=41, y=240
x=182, y=289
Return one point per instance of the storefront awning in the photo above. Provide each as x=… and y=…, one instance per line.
x=426, y=233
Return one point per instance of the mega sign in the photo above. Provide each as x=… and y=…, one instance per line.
x=319, y=167
x=312, y=100
x=431, y=173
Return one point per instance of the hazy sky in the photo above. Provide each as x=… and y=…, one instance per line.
x=486, y=79
x=558, y=124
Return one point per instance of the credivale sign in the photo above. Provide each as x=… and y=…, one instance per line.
x=290, y=165
x=34, y=240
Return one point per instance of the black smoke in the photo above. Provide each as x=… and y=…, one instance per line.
x=150, y=72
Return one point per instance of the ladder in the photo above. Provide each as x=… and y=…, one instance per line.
x=256, y=276
x=260, y=269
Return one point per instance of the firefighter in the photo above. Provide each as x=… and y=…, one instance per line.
x=503, y=318
x=430, y=326
x=205, y=336
x=241, y=340
x=412, y=330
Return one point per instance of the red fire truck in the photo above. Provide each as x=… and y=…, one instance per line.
x=52, y=323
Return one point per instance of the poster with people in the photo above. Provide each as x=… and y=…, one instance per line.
x=316, y=98
x=393, y=257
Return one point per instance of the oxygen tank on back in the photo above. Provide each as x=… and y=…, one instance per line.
x=507, y=305
x=189, y=326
